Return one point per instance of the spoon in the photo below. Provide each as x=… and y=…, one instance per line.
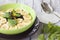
x=48, y=9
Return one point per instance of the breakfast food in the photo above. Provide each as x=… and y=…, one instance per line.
x=14, y=19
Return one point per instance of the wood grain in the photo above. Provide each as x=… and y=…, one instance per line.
x=2, y=2
x=26, y=2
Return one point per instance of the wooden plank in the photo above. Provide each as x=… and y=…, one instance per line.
x=28, y=38
x=27, y=2
x=47, y=1
x=11, y=1
x=7, y=1
x=14, y=39
x=2, y=2
x=37, y=7
x=35, y=36
x=56, y=5
x=20, y=1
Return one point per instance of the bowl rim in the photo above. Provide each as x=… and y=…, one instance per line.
x=25, y=27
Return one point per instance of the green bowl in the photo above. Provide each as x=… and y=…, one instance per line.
x=22, y=29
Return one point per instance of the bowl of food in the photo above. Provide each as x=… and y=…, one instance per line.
x=16, y=18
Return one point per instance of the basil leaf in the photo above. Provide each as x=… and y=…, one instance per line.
x=7, y=15
x=14, y=13
x=18, y=15
x=12, y=22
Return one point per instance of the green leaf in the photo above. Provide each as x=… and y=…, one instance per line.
x=54, y=36
x=18, y=15
x=41, y=37
x=50, y=25
x=12, y=22
x=7, y=15
x=45, y=28
x=14, y=13
x=52, y=30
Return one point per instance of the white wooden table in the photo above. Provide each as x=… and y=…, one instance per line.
x=35, y=4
